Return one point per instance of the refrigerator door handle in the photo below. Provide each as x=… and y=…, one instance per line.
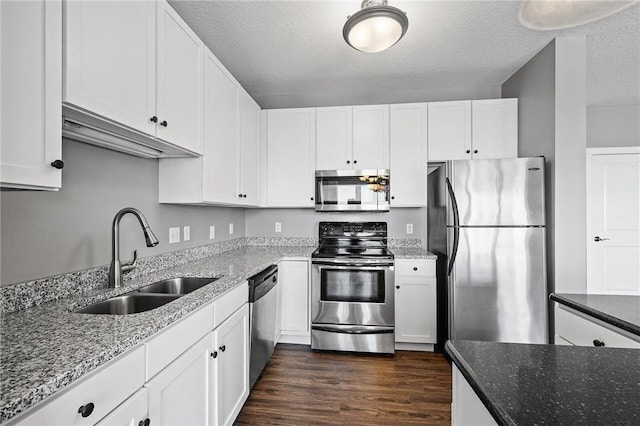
x=456, y=227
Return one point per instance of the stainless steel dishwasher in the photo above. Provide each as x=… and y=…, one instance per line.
x=262, y=319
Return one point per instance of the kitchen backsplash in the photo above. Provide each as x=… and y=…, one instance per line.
x=23, y=295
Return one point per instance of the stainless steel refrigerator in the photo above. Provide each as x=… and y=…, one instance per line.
x=486, y=223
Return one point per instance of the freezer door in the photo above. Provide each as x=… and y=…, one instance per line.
x=507, y=192
x=498, y=288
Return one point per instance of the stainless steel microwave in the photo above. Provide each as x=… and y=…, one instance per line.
x=352, y=190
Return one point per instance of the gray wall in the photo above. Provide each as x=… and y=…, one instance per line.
x=534, y=86
x=48, y=233
x=613, y=126
x=552, y=99
x=304, y=222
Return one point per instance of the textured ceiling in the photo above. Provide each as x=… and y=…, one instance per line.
x=291, y=53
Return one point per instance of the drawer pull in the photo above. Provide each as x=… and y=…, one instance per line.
x=415, y=268
x=86, y=410
x=597, y=342
x=145, y=422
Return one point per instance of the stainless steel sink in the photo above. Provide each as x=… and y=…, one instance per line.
x=177, y=285
x=129, y=304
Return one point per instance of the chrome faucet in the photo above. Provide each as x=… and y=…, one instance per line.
x=117, y=269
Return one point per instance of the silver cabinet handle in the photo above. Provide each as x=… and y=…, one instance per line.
x=598, y=239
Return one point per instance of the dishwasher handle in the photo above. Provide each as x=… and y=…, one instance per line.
x=258, y=289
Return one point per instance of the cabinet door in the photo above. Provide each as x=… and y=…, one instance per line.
x=179, y=394
x=415, y=301
x=449, y=130
x=408, y=129
x=30, y=105
x=290, y=157
x=249, y=150
x=334, y=132
x=112, y=72
x=221, y=150
x=371, y=137
x=231, y=384
x=293, y=276
x=495, y=128
x=129, y=413
x=180, y=81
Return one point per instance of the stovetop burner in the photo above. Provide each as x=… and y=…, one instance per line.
x=355, y=240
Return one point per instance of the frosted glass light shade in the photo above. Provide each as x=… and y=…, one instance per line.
x=375, y=28
x=560, y=14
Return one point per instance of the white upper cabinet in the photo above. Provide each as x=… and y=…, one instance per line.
x=133, y=70
x=112, y=73
x=334, y=138
x=31, y=77
x=221, y=153
x=249, y=151
x=449, y=130
x=179, y=101
x=494, y=128
x=371, y=137
x=464, y=130
x=408, y=129
x=290, y=157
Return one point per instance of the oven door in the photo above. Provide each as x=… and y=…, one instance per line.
x=352, y=294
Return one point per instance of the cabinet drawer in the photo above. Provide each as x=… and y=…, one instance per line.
x=578, y=330
x=416, y=268
x=177, y=338
x=229, y=302
x=105, y=389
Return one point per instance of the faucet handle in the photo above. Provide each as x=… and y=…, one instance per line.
x=128, y=266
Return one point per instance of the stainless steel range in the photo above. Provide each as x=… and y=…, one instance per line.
x=352, y=294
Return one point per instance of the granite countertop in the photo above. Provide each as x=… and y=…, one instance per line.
x=412, y=253
x=620, y=311
x=547, y=384
x=48, y=347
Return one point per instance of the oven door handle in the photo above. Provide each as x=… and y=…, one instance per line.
x=335, y=265
x=353, y=329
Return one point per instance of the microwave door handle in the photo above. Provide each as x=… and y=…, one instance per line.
x=456, y=227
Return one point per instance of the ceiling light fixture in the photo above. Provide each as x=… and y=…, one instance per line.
x=376, y=27
x=559, y=14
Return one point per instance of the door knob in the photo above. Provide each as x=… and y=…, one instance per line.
x=58, y=164
x=164, y=123
x=598, y=239
x=86, y=410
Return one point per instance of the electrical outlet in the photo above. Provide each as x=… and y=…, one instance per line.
x=409, y=228
x=231, y=229
x=278, y=226
x=212, y=232
x=174, y=235
x=186, y=233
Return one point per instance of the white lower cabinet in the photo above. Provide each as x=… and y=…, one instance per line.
x=179, y=394
x=230, y=374
x=133, y=412
x=293, y=277
x=575, y=328
x=466, y=407
x=415, y=301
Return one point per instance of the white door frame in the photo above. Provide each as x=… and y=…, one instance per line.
x=590, y=153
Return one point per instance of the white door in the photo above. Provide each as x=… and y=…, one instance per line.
x=408, y=155
x=230, y=388
x=30, y=105
x=494, y=130
x=371, y=137
x=334, y=137
x=180, y=80
x=613, y=228
x=249, y=150
x=130, y=413
x=449, y=130
x=293, y=276
x=112, y=72
x=179, y=394
x=290, y=157
x=221, y=150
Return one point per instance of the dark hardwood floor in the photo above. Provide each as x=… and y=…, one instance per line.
x=302, y=387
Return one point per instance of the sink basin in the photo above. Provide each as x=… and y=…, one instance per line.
x=177, y=285
x=128, y=304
